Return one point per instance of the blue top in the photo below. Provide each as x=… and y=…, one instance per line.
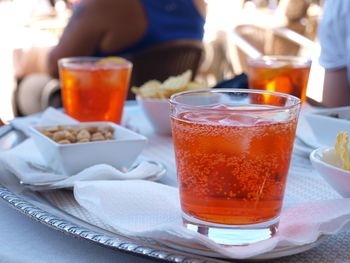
x=167, y=20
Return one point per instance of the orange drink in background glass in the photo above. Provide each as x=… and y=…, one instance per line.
x=287, y=74
x=94, y=89
x=232, y=158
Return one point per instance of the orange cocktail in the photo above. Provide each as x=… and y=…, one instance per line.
x=232, y=160
x=94, y=89
x=287, y=74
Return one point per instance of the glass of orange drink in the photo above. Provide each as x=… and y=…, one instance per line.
x=287, y=74
x=232, y=152
x=94, y=89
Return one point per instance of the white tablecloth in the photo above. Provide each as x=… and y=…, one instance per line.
x=24, y=240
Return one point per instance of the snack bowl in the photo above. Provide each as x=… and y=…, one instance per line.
x=120, y=151
x=153, y=98
x=157, y=113
x=327, y=123
x=321, y=159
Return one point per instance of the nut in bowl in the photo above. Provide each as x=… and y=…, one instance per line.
x=333, y=164
x=153, y=97
x=69, y=149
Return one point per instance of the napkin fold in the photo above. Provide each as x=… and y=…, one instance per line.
x=50, y=116
x=149, y=209
x=26, y=162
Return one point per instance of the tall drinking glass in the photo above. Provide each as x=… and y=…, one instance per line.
x=287, y=74
x=233, y=152
x=94, y=89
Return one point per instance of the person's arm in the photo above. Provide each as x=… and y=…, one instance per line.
x=201, y=6
x=81, y=36
x=334, y=35
x=336, y=90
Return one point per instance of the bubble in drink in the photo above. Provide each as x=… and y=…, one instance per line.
x=232, y=171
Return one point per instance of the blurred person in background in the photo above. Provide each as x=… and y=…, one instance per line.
x=105, y=28
x=334, y=36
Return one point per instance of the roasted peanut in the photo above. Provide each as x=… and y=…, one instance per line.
x=59, y=135
x=97, y=137
x=71, y=137
x=83, y=134
x=105, y=129
x=92, y=129
x=108, y=135
x=53, y=129
x=83, y=140
x=47, y=133
x=64, y=141
x=70, y=134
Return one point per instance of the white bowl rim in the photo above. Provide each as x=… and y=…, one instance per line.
x=323, y=116
x=324, y=113
x=138, y=97
x=316, y=157
x=34, y=128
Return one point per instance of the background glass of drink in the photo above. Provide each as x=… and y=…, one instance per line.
x=94, y=89
x=287, y=74
x=232, y=154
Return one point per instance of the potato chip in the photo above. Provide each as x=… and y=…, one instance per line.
x=157, y=90
x=195, y=85
x=111, y=60
x=151, y=89
x=178, y=82
x=341, y=149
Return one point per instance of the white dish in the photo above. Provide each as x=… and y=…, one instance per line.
x=70, y=159
x=157, y=112
x=338, y=178
x=327, y=123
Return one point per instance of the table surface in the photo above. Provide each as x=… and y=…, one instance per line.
x=25, y=240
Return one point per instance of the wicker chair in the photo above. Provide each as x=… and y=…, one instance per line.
x=157, y=62
x=164, y=60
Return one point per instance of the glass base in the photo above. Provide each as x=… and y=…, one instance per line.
x=236, y=235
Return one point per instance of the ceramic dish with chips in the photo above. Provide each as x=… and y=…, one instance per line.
x=119, y=146
x=333, y=164
x=153, y=99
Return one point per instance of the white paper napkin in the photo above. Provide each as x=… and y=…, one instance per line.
x=149, y=209
x=26, y=162
x=50, y=116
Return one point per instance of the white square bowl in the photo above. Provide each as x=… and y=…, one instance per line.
x=70, y=159
x=327, y=123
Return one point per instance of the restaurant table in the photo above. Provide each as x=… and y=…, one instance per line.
x=24, y=240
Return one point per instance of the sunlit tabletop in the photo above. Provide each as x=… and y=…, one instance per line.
x=24, y=240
